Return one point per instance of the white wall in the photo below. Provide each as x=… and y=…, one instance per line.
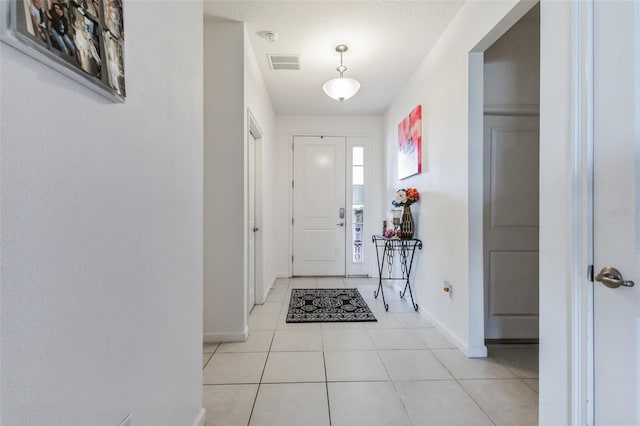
x=102, y=233
x=233, y=86
x=258, y=102
x=225, y=316
x=557, y=223
x=351, y=126
x=512, y=68
x=441, y=86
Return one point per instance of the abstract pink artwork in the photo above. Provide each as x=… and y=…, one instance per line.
x=410, y=144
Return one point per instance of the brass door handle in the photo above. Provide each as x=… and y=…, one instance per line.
x=612, y=278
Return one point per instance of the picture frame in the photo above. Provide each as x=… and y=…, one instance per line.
x=410, y=144
x=82, y=39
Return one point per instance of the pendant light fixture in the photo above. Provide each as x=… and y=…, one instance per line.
x=341, y=88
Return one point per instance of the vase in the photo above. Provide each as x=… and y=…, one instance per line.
x=407, y=227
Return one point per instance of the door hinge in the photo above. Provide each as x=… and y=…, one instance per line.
x=291, y=258
x=291, y=221
x=590, y=273
x=292, y=183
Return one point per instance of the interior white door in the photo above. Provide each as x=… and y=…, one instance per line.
x=319, y=205
x=251, y=262
x=511, y=222
x=617, y=211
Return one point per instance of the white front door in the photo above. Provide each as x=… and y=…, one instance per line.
x=511, y=223
x=319, y=208
x=617, y=211
x=251, y=281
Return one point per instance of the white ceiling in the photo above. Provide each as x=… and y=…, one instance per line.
x=387, y=41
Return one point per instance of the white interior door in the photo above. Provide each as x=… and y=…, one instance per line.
x=511, y=223
x=251, y=262
x=617, y=211
x=319, y=205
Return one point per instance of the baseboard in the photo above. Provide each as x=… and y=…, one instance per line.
x=267, y=289
x=511, y=341
x=228, y=337
x=262, y=298
x=202, y=416
x=469, y=351
x=479, y=351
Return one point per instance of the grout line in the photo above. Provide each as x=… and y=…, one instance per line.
x=395, y=387
x=384, y=366
x=208, y=360
x=317, y=382
x=326, y=383
x=502, y=379
x=273, y=337
x=228, y=384
x=255, y=399
x=253, y=406
x=459, y=382
x=474, y=400
x=374, y=381
x=531, y=387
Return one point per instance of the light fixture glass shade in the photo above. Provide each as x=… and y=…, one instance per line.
x=341, y=88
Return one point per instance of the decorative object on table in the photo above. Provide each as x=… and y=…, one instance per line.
x=404, y=198
x=410, y=144
x=396, y=220
x=328, y=305
x=408, y=227
x=82, y=39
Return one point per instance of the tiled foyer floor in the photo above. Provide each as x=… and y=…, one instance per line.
x=397, y=371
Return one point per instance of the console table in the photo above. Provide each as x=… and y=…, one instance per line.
x=390, y=247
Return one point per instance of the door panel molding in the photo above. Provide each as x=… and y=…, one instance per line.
x=511, y=210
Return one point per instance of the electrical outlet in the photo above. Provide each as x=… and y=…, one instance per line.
x=126, y=421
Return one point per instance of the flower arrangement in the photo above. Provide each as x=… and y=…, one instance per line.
x=405, y=228
x=406, y=197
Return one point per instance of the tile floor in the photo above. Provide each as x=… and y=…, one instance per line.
x=397, y=371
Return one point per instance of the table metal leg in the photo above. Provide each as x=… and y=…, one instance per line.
x=402, y=293
x=379, y=290
x=407, y=270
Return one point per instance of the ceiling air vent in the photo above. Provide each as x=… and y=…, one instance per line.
x=284, y=62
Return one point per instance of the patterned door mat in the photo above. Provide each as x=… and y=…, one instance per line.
x=328, y=305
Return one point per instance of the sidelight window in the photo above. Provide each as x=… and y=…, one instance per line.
x=357, y=203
